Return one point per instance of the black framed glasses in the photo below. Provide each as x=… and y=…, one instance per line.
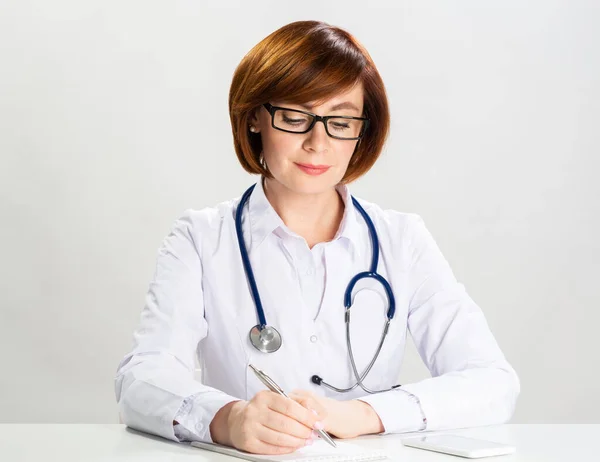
x=296, y=121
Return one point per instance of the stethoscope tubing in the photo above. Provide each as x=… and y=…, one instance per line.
x=372, y=273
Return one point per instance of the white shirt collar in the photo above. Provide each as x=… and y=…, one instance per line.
x=264, y=219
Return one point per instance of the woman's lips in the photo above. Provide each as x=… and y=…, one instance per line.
x=313, y=169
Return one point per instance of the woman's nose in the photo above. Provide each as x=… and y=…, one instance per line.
x=317, y=138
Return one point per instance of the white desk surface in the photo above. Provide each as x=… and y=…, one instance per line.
x=115, y=443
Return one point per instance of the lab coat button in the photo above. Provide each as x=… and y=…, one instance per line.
x=313, y=338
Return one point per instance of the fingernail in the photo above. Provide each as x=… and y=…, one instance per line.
x=319, y=425
x=309, y=442
x=315, y=412
x=315, y=435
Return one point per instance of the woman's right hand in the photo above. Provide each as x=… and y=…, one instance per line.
x=267, y=424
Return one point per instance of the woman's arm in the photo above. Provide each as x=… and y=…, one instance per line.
x=472, y=384
x=155, y=385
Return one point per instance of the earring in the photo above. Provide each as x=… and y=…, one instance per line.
x=252, y=128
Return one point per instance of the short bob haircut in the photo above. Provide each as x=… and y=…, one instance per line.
x=307, y=61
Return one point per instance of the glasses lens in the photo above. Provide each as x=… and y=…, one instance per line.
x=345, y=128
x=291, y=120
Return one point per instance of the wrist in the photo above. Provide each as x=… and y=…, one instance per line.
x=368, y=420
x=219, y=426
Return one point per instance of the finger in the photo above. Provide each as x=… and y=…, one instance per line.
x=285, y=424
x=309, y=402
x=305, y=402
x=276, y=438
x=293, y=409
x=303, y=393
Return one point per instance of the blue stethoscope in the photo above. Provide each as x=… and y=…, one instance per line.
x=267, y=339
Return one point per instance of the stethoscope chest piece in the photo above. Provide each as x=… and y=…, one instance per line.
x=266, y=339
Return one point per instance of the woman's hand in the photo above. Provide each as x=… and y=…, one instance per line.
x=267, y=424
x=343, y=419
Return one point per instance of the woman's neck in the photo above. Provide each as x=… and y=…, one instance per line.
x=315, y=217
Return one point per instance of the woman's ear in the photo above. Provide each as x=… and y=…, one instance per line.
x=253, y=121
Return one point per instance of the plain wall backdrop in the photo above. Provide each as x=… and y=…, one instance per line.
x=114, y=120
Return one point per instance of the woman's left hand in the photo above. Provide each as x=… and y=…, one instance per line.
x=343, y=419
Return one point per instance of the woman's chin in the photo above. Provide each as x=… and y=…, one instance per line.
x=312, y=186
x=301, y=183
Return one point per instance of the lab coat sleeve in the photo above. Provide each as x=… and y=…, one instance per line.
x=155, y=379
x=472, y=384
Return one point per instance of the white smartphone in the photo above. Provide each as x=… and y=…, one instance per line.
x=459, y=446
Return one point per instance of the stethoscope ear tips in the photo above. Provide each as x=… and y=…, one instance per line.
x=316, y=380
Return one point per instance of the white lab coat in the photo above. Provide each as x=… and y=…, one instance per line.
x=199, y=302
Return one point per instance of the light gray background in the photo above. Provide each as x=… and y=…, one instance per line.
x=113, y=119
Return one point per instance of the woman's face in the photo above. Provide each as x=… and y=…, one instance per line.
x=290, y=156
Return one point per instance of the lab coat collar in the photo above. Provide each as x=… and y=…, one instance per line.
x=349, y=226
x=264, y=220
x=263, y=217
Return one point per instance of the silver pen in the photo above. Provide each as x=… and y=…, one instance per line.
x=271, y=385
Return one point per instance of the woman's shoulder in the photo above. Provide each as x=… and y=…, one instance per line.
x=392, y=220
x=402, y=233
x=207, y=221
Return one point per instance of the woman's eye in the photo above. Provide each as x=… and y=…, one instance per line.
x=340, y=127
x=294, y=121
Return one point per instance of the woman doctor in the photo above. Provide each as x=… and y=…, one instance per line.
x=269, y=279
